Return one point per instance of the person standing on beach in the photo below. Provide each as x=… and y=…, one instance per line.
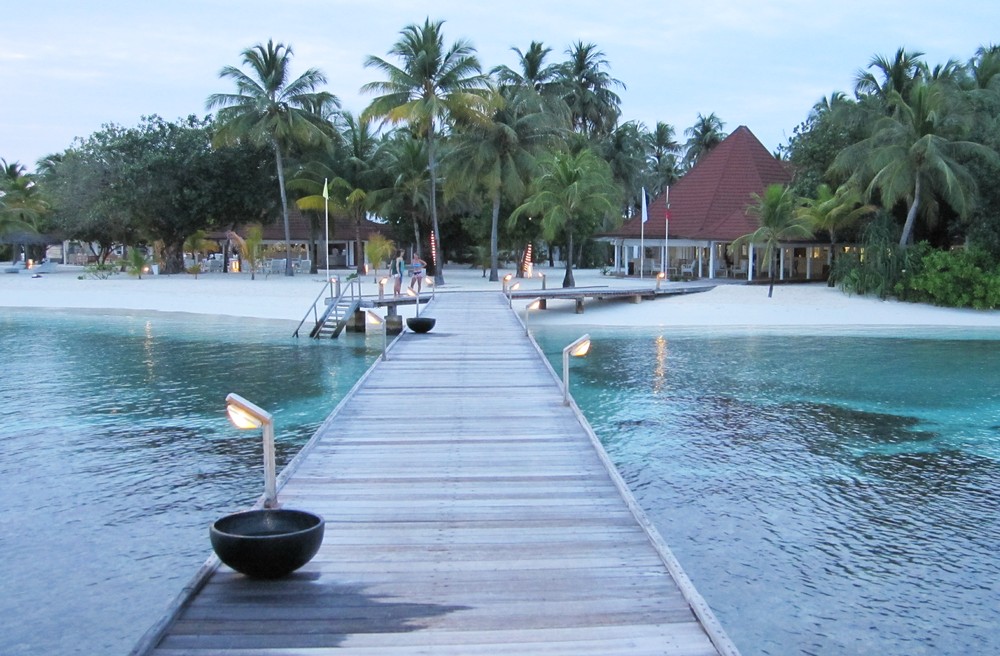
x=396, y=268
x=417, y=272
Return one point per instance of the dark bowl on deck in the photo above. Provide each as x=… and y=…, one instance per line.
x=420, y=324
x=268, y=543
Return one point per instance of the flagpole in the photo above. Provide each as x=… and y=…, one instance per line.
x=326, y=203
x=642, y=235
x=666, y=237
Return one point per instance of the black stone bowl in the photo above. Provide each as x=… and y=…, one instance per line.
x=268, y=543
x=420, y=324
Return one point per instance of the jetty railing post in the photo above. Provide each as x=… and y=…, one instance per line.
x=578, y=348
x=245, y=415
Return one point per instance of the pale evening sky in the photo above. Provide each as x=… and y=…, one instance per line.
x=67, y=68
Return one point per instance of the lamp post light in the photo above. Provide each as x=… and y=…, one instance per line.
x=381, y=288
x=577, y=349
x=245, y=415
x=659, y=278
x=534, y=304
x=375, y=319
x=510, y=293
x=506, y=280
x=541, y=274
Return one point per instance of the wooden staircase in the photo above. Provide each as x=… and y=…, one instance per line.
x=337, y=311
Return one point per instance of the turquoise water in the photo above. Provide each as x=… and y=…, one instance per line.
x=827, y=494
x=116, y=456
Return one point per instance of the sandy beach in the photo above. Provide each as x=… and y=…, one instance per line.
x=289, y=298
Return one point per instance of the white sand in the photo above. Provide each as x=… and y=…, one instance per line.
x=280, y=297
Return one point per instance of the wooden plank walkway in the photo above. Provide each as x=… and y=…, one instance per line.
x=468, y=512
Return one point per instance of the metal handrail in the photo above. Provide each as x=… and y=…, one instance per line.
x=332, y=291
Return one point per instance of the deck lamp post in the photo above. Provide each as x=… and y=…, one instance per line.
x=659, y=278
x=577, y=349
x=245, y=415
x=374, y=319
x=534, y=304
x=541, y=274
x=510, y=293
x=506, y=281
x=410, y=292
x=381, y=288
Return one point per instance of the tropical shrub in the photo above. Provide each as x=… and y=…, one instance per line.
x=959, y=278
x=878, y=266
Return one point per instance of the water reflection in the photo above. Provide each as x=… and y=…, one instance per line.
x=830, y=475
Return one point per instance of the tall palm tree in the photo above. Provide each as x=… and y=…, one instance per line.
x=432, y=85
x=536, y=82
x=914, y=156
x=572, y=194
x=268, y=109
x=624, y=149
x=703, y=136
x=407, y=190
x=587, y=89
x=775, y=212
x=499, y=155
x=661, y=154
x=896, y=74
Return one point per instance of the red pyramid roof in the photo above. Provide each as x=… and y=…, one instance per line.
x=710, y=201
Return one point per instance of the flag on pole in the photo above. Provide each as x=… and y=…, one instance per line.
x=326, y=190
x=645, y=214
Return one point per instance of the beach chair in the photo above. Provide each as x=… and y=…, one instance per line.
x=277, y=266
x=687, y=270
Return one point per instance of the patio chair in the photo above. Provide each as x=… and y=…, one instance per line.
x=687, y=270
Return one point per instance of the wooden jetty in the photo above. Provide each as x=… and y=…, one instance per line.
x=469, y=511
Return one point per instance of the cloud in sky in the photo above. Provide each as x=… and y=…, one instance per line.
x=68, y=67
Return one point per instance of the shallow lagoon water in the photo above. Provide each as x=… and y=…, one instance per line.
x=828, y=493
x=116, y=456
x=835, y=493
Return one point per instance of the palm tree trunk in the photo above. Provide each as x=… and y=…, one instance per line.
x=357, y=241
x=568, y=278
x=432, y=167
x=911, y=215
x=284, y=208
x=494, y=238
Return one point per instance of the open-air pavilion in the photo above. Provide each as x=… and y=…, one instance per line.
x=707, y=213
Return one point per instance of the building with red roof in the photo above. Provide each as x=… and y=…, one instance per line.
x=707, y=212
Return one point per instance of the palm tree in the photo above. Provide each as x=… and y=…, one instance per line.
x=898, y=74
x=432, y=85
x=268, y=109
x=832, y=211
x=703, y=136
x=534, y=73
x=775, y=211
x=587, y=89
x=911, y=156
x=662, y=149
x=407, y=192
x=499, y=155
x=572, y=194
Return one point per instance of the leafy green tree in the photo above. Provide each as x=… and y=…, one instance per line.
x=775, y=212
x=432, y=85
x=406, y=196
x=269, y=109
x=573, y=193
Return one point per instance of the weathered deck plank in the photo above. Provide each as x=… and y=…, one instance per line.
x=468, y=512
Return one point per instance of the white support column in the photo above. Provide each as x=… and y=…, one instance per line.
x=750, y=262
x=781, y=263
x=711, y=259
